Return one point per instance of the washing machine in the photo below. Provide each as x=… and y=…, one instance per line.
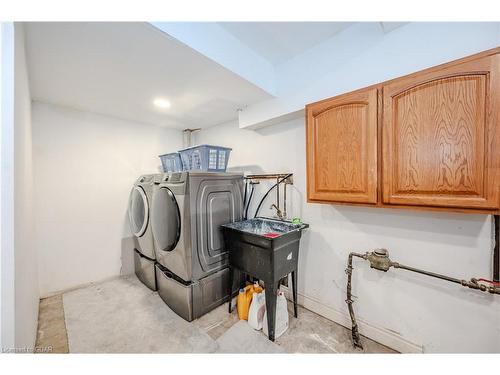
x=192, y=264
x=139, y=211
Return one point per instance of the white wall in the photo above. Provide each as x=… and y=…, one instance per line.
x=363, y=55
x=7, y=299
x=26, y=267
x=84, y=167
x=19, y=284
x=397, y=308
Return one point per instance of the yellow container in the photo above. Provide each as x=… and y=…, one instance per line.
x=257, y=288
x=245, y=299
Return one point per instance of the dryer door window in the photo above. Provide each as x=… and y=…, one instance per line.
x=166, y=220
x=138, y=211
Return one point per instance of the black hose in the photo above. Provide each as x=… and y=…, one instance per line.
x=265, y=195
x=245, y=196
x=249, y=201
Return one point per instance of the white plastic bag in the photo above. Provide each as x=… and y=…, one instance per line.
x=281, y=323
x=257, y=311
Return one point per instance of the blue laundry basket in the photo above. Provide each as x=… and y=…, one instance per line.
x=171, y=162
x=206, y=158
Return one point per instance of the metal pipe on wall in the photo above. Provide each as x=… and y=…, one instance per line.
x=354, y=327
x=496, y=249
x=188, y=137
x=379, y=260
x=279, y=178
x=284, y=200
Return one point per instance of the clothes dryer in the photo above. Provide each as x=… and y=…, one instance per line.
x=188, y=210
x=139, y=211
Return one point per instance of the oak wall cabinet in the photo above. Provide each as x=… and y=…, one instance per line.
x=342, y=140
x=427, y=140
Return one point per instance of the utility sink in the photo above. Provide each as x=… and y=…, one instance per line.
x=266, y=227
x=266, y=249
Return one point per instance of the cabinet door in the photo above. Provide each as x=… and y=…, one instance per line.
x=342, y=148
x=441, y=138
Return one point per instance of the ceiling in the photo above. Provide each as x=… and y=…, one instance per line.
x=281, y=41
x=118, y=69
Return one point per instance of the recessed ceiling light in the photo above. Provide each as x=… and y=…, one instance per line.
x=161, y=103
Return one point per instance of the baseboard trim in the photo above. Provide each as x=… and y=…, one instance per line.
x=379, y=334
x=79, y=286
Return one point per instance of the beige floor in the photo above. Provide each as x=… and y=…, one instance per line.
x=310, y=333
x=51, y=335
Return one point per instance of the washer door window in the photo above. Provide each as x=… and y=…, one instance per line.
x=166, y=220
x=138, y=211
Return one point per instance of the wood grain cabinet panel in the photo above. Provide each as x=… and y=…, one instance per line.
x=342, y=148
x=440, y=137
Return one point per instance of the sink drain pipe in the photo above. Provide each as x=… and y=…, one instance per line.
x=379, y=260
